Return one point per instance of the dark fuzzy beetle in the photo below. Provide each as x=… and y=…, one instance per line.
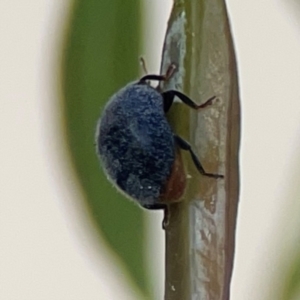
x=137, y=147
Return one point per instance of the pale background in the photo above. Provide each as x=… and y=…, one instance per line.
x=47, y=248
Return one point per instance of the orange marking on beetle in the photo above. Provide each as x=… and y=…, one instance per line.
x=174, y=188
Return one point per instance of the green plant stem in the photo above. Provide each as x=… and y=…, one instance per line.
x=200, y=235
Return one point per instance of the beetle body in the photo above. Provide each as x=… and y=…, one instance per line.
x=137, y=148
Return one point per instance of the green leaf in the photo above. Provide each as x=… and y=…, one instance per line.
x=100, y=56
x=291, y=279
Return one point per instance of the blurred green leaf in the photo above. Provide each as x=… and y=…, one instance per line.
x=101, y=55
x=291, y=279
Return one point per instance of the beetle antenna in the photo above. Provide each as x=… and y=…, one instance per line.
x=170, y=71
x=143, y=65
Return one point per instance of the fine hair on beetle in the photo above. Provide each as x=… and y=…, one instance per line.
x=138, y=150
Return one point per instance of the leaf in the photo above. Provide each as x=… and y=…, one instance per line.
x=100, y=56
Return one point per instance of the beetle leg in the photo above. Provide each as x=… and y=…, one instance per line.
x=184, y=145
x=167, y=216
x=168, y=100
x=155, y=206
x=152, y=77
x=167, y=76
x=186, y=100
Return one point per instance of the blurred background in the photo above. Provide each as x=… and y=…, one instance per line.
x=65, y=232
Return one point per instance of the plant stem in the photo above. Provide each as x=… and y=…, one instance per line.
x=200, y=237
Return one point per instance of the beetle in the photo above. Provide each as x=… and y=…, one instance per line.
x=137, y=147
